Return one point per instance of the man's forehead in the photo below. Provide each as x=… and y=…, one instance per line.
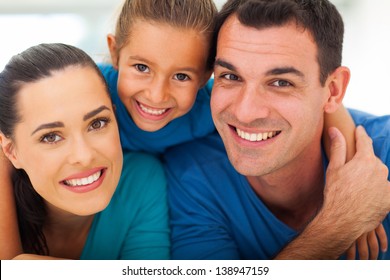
x=288, y=39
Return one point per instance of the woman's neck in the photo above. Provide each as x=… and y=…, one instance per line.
x=66, y=233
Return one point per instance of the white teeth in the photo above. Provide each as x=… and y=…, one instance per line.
x=84, y=181
x=150, y=111
x=253, y=137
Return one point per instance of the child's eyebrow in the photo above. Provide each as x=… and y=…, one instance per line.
x=136, y=57
x=186, y=69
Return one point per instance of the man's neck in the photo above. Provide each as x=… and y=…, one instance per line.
x=294, y=194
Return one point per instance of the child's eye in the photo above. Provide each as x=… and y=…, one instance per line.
x=281, y=83
x=50, y=138
x=182, y=77
x=99, y=124
x=142, y=68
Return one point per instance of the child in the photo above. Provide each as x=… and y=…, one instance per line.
x=69, y=203
x=159, y=77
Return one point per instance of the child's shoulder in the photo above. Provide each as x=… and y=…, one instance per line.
x=205, y=91
x=108, y=70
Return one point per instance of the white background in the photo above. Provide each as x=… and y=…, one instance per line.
x=85, y=23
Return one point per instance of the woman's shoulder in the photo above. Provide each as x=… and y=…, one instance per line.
x=142, y=170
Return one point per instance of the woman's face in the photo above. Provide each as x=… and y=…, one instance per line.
x=67, y=140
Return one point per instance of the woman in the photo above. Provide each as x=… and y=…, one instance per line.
x=58, y=129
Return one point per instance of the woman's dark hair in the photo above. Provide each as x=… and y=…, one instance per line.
x=30, y=66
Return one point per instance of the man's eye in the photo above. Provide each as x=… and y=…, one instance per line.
x=231, y=77
x=142, y=68
x=181, y=77
x=281, y=83
x=50, y=138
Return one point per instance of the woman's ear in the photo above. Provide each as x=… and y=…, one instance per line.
x=336, y=84
x=111, y=42
x=9, y=150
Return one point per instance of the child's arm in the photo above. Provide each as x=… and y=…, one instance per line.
x=9, y=232
x=344, y=122
x=367, y=244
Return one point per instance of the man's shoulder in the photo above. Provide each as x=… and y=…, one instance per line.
x=376, y=126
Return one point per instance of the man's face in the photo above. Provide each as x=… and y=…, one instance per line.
x=267, y=101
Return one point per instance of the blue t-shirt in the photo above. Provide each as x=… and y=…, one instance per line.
x=195, y=124
x=215, y=213
x=135, y=223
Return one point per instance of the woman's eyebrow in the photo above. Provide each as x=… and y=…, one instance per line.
x=47, y=126
x=61, y=124
x=95, y=112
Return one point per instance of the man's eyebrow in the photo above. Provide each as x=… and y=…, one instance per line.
x=285, y=70
x=225, y=64
x=47, y=126
x=95, y=112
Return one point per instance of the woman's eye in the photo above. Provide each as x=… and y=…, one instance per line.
x=281, y=83
x=50, y=138
x=142, y=68
x=181, y=77
x=98, y=124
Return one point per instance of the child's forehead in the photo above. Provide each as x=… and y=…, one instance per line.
x=164, y=25
x=163, y=46
x=143, y=33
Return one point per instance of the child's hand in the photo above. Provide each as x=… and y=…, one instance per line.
x=368, y=245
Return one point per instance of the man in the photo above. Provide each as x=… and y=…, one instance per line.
x=263, y=188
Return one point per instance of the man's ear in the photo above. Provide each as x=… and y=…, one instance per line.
x=336, y=84
x=9, y=150
x=111, y=42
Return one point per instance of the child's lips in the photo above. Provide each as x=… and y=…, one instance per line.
x=152, y=111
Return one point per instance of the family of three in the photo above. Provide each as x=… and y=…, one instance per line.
x=150, y=158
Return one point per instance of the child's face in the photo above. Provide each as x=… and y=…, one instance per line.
x=160, y=71
x=68, y=140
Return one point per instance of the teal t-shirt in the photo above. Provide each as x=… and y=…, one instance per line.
x=135, y=223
